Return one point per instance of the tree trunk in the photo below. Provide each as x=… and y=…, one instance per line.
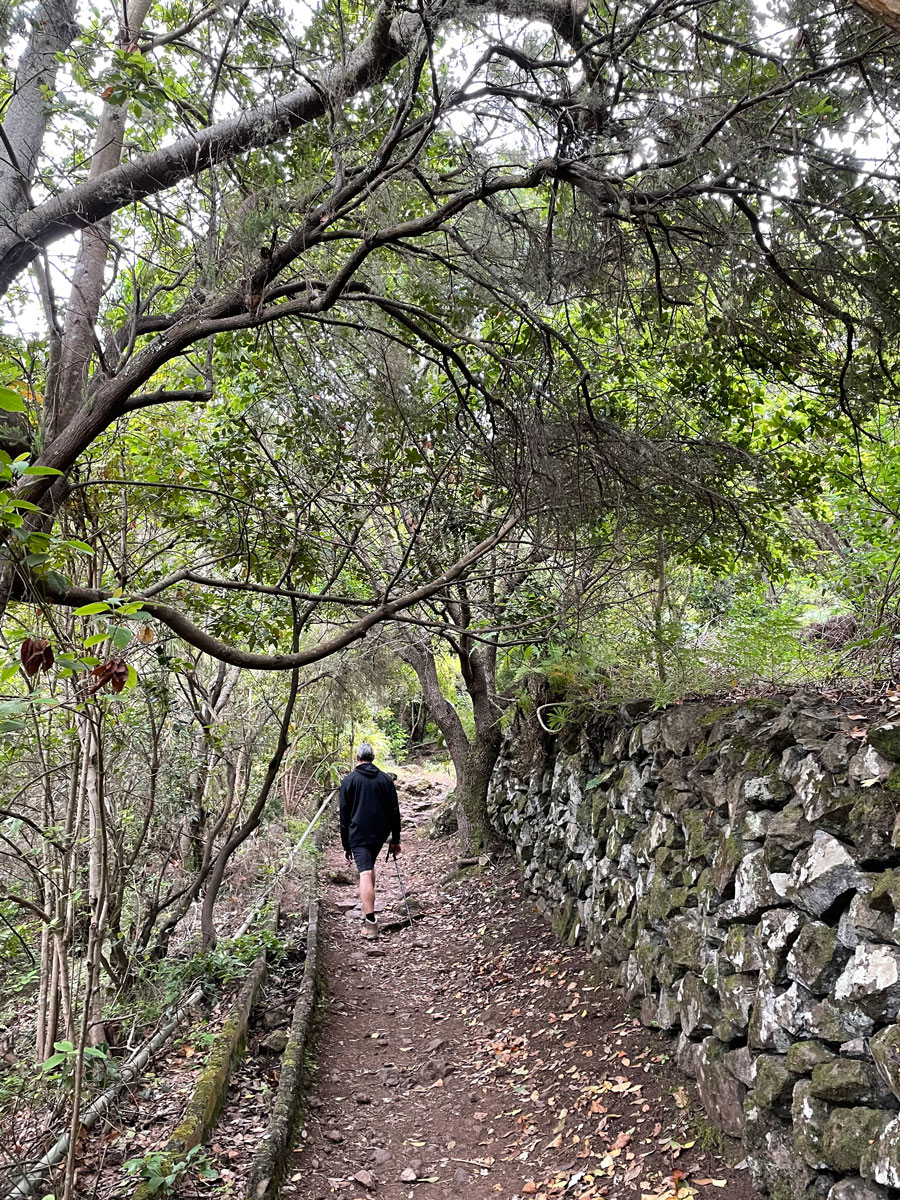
x=98, y=877
x=43, y=999
x=472, y=782
x=473, y=761
x=27, y=111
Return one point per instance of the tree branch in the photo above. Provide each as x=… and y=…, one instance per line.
x=75, y=597
x=149, y=399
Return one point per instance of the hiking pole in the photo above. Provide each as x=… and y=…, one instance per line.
x=402, y=888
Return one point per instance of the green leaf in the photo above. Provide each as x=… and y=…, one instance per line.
x=41, y=471
x=94, y=640
x=75, y=544
x=132, y=679
x=121, y=637
x=88, y=610
x=11, y=401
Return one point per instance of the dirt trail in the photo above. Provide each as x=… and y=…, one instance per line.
x=478, y=1056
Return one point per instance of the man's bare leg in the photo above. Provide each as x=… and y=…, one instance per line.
x=367, y=891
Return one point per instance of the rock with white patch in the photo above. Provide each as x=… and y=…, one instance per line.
x=871, y=981
x=822, y=874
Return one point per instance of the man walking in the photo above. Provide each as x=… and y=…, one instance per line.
x=370, y=813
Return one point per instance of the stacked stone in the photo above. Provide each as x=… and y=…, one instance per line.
x=739, y=869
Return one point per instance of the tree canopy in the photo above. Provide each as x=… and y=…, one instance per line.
x=369, y=368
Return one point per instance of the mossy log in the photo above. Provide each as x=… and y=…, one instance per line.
x=271, y=1155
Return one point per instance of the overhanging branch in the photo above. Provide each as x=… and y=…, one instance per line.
x=184, y=627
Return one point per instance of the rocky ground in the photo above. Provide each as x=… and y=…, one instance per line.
x=477, y=1055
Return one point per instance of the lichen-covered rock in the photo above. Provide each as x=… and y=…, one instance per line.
x=810, y=787
x=862, y=923
x=765, y=1030
x=763, y=791
x=816, y=958
x=867, y=764
x=822, y=874
x=836, y=753
x=722, y=1094
x=881, y=1158
x=729, y=853
x=769, y=1143
x=686, y=1055
x=788, y=832
x=871, y=823
x=793, y=1007
x=775, y=934
x=848, y=1134
x=668, y=1013
x=742, y=1064
x=663, y=831
x=741, y=948
x=736, y=996
x=871, y=981
x=803, y=1057
x=885, y=1050
x=699, y=833
x=885, y=895
x=886, y=740
x=753, y=891
x=774, y=1084
x=697, y=1004
x=809, y=1115
x=850, y=1081
x=835, y=1024
x=685, y=938
x=679, y=729
x=857, y=1189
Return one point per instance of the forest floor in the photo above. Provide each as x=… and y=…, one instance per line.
x=477, y=1055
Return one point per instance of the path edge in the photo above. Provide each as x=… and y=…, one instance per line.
x=276, y=1145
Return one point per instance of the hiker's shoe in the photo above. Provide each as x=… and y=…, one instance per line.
x=370, y=929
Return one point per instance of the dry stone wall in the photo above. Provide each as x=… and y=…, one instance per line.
x=738, y=866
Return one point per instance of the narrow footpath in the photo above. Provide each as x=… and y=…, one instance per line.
x=476, y=1055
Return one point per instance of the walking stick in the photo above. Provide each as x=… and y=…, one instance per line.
x=402, y=888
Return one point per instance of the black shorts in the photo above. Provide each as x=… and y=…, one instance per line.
x=365, y=856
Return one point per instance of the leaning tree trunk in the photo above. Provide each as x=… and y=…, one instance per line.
x=472, y=783
x=473, y=761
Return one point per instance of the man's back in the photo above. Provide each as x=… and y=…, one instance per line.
x=369, y=808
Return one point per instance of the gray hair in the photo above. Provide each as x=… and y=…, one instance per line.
x=365, y=753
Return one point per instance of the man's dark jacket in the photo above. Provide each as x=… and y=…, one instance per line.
x=369, y=808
